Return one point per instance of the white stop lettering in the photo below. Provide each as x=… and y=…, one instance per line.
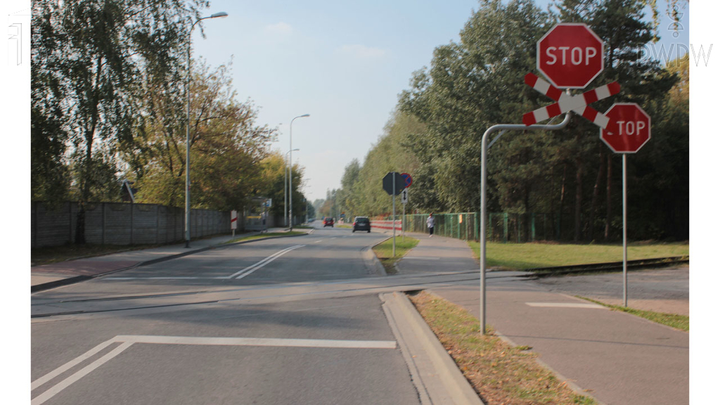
x=631, y=127
x=578, y=55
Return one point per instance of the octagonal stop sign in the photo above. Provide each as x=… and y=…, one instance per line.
x=628, y=129
x=570, y=55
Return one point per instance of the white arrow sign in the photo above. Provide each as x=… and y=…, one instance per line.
x=404, y=196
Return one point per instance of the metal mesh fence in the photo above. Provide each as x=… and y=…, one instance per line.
x=501, y=227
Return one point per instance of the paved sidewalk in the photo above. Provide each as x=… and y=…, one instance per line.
x=68, y=272
x=615, y=357
x=436, y=254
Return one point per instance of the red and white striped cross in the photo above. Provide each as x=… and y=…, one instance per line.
x=566, y=102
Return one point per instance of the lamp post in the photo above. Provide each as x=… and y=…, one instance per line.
x=187, y=130
x=285, y=207
x=290, y=191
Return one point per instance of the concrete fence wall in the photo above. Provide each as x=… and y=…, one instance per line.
x=124, y=224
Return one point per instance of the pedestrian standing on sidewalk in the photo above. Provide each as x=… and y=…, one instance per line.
x=431, y=224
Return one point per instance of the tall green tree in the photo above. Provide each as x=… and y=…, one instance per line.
x=660, y=172
x=272, y=184
x=478, y=82
x=50, y=175
x=623, y=27
x=226, y=146
x=470, y=86
x=392, y=153
x=94, y=49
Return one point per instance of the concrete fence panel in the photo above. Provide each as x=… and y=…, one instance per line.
x=123, y=224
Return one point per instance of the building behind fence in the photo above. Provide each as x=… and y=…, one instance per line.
x=124, y=224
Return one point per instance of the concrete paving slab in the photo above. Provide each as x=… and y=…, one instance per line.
x=437, y=254
x=616, y=357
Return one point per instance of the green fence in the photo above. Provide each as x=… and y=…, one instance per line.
x=501, y=227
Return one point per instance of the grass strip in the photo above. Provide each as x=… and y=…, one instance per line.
x=681, y=322
x=383, y=252
x=265, y=236
x=499, y=372
x=521, y=256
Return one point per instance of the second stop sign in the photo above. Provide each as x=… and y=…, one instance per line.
x=628, y=129
x=570, y=55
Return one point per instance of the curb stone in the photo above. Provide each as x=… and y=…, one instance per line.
x=372, y=258
x=432, y=370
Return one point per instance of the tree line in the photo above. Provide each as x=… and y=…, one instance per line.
x=570, y=175
x=109, y=104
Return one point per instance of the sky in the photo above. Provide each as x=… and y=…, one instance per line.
x=342, y=62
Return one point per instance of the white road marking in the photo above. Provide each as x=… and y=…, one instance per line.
x=563, y=305
x=67, y=366
x=129, y=340
x=249, y=270
x=229, y=341
x=240, y=274
x=318, y=241
x=80, y=374
x=166, y=278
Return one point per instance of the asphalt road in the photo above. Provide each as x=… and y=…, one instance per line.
x=175, y=348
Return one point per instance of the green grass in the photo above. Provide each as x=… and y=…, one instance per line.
x=383, y=251
x=265, y=236
x=521, y=256
x=500, y=373
x=681, y=322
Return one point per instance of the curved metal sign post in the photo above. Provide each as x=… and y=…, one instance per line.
x=483, y=197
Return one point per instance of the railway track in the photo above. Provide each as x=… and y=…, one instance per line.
x=541, y=272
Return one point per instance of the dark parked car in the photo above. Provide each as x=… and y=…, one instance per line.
x=361, y=224
x=328, y=222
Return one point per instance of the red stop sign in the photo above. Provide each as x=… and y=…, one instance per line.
x=570, y=55
x=628, y=129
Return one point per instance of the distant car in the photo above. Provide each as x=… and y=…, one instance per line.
x=361, y=224
x=328, y=222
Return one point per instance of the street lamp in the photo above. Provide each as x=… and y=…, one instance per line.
x=285, y=206
x=291, y=122
x=187, y=130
